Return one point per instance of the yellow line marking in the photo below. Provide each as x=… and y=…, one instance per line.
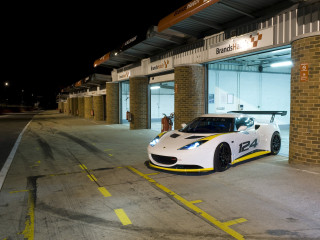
x=19, y=191
x=235, y=221
x=196, y=201
x=28, y=231
x=155, y=173
x=82, y=166
x=104, y=192
x=122, y=216
x=110, y=154
x=106, y=150
x=92, y=177
x=223, y=226
x=257, y=154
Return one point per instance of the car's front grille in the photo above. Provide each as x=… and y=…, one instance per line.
x=164, y=159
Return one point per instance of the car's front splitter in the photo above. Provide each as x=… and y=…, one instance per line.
x=180, y=168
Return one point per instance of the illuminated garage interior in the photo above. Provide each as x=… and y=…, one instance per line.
x=256, y=82
x=124, y=101
x=161, y=102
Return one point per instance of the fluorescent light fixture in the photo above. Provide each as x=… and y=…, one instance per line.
x=154, y=87
x=281, y=64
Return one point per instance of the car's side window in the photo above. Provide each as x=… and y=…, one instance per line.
x=244, y=121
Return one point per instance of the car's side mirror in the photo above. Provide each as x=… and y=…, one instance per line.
x=183, y=125
x=242, y=128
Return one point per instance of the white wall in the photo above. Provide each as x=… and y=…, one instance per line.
x=255, y=91
x=161, y=104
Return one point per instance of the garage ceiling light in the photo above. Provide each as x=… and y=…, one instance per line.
x=281, y=64
x=154, y=87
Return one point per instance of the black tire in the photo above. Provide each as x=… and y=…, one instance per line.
x=222, y=157
x=275, y=143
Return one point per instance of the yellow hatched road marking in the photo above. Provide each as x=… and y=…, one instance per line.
x=92, y=177
x=122, y=216
x=155, y=173
x=82, y=166
x=235, y=221
x=223, y=226
x=19, y=191
x=104, y=192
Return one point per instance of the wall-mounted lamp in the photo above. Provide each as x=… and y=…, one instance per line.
x=281, y=64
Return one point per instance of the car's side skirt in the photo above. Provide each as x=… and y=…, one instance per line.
x=250, y=155
x=180, y=170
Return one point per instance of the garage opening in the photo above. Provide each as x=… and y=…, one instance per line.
x=161, y=102
x=124, y=101
x=256, y=82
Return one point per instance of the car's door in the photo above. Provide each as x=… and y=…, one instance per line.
x=246, y=139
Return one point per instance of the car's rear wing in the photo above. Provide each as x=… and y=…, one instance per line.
x=272, y=113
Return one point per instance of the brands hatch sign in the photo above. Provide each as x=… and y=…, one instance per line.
x=250, y=41
x=124, y=75
x=160, y=66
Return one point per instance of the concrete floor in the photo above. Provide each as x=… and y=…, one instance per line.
x=73, y=178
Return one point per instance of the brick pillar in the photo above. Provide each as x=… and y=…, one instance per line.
x=88, y=107
x=68, y=112
x=305, y=103
x=75, y=106
x=139, y=102
x=112, y=102
x=81, y=106
x=60, y=107
x=98, y=108
x=189, y=96
x=65, y=106
x=71, y=110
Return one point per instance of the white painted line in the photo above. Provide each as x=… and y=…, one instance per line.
x=7, y=164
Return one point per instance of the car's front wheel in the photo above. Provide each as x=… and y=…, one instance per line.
x=275, y=143
x=222, y=157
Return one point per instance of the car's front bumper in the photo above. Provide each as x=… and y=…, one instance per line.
x=181, y=168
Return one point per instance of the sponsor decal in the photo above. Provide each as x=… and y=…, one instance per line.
x=243, y=43
x=130, y=41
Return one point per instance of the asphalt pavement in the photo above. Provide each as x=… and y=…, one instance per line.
x=11, y=125
x=73, y=178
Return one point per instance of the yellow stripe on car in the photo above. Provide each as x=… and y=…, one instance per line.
x=181, y=170
x=256, y=154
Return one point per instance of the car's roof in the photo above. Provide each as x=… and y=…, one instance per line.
x=225, y=115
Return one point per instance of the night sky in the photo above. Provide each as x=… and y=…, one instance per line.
x=50, y=45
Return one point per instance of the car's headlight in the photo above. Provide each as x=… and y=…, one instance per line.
x=193, y=145
x=156, y=139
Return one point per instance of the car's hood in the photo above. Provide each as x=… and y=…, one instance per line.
x=175, y=139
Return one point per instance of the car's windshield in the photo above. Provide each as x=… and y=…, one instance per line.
x=210, y=125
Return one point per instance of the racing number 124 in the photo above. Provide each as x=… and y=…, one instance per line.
x=246, y=145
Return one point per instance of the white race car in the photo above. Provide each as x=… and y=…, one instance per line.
x=214, y=141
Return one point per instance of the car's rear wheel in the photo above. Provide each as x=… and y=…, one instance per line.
x=222, y=157
x=275, y=143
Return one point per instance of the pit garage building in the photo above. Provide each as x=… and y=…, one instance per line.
x=212, y=56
